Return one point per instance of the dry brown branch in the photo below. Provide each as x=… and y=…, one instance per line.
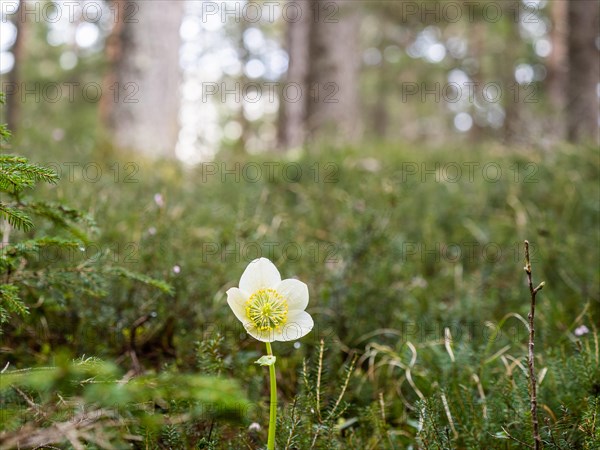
x=531, y=357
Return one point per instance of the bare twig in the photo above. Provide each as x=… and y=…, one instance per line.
x=449, y=415
x=30, y=437
x=531, y=362
x=318, y=401
x=137, y=367
x=524, y=444
x=481, y=395
x=382, y=406
x=29, y=401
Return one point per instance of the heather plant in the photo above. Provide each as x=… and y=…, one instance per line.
x=416, y=284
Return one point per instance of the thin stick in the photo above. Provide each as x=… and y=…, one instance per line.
x=318, y=401
x=537, y=439
x=525, y=444
x=29, y=401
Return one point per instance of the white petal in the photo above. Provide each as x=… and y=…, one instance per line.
x=260, y=273
x=264, y=336
x=236, y=299
x=295, y=292
x=299, y=324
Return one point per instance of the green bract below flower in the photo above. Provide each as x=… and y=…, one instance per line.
x=270, y=309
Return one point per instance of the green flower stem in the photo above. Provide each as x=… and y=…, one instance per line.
x=273, y=410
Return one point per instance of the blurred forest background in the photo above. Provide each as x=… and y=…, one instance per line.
x=259, y=76
x=392, y=154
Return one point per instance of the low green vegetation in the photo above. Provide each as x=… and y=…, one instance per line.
x=414, y=261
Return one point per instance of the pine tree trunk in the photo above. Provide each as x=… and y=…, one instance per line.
x=333, y=105
x=477, y=37
x=13, y=101
x=557, y=66
x=584, y=70
x=558, y=58
x=324, y=63
x=142, y=107
x=293, y=96
x=515, y=129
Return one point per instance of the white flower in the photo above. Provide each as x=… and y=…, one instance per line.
x=270, y=309
x=580, y=331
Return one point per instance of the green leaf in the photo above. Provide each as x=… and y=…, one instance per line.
x=266, y=360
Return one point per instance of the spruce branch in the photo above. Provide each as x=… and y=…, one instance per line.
x=530, y=359
x=15, y=217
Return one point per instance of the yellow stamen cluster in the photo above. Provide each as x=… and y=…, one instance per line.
x=267, y=310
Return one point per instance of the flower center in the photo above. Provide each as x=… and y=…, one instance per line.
x=267, y=309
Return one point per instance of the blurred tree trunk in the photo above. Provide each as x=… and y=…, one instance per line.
x=242, y=143
x=584, y=70
x=477, y=42
x=141, y=104
x=292, y=125
x=333, y=102
x=558, y=64
x=13, y=103
x=515, y=128
x=324, y=62
x=381, y=111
